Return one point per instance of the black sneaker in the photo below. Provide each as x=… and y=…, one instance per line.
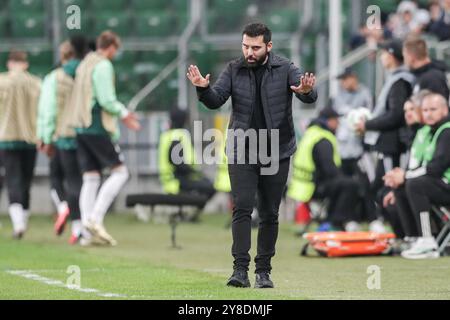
x=263, y=281
x=239, y=279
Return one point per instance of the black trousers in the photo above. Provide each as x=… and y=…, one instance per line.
x=70, y=178
x=19, y=170
x=366, y=203
x=342, y=193
x=405, y=214
x=247, y=182
x=385, y=163
x=201, y=186
x=423, y=192
x=57, y=177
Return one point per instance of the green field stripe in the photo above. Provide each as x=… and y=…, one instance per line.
x=144, y=267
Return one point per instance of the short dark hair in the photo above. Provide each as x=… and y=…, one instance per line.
x=80, y=45
x=254, y=30
x=18, y=56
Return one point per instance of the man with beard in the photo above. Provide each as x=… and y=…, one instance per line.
x=261, y=85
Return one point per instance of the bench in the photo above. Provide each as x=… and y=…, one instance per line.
x=178, y=200
x=443, y=238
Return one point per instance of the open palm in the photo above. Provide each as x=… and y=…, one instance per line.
x=196, y=77
x=306, y=85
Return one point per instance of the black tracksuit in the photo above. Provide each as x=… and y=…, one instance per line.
x=426, y=186
x=389, y=145
x=401, y=211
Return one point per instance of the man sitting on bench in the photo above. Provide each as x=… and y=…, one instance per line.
x=318, y=174
x=429, y=184
x=180, y=175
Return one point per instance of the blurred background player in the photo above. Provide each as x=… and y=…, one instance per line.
x=58, y=138
x=19, y=95
x=181, y=176
x=353, y=95
x=95, y=112
x=356, y=163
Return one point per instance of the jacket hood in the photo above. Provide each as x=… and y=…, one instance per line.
x=433, y=65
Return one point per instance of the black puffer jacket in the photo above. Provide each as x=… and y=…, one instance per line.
x=432, y=77
x=238, y=82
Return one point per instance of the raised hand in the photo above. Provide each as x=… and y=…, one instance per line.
x=307, y=83
x=196, y=77
x=131, y=121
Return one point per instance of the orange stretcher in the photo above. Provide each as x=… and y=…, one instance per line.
x=342, y=244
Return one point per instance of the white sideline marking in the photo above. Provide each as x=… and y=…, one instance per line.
x=57, y=283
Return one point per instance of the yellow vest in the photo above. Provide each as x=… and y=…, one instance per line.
x=302, y=186
x=166, y=169
x=222, y=182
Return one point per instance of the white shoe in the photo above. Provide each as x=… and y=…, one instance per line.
x=99, y=231
x=92, y=242
x=85, y=242
x=423, y=248
x=377, y=226
x=352, y=226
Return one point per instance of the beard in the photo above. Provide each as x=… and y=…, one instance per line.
x=256, y=63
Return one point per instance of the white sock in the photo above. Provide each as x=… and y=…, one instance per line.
x=17, y=215
x=85, y=233
x=76, y=228
x=26, y=217
x=91, y=183
x=55, y=198
x=425, y=225
x=109, y=191
x=63, y=207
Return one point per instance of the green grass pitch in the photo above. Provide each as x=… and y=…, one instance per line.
x=144, y=266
